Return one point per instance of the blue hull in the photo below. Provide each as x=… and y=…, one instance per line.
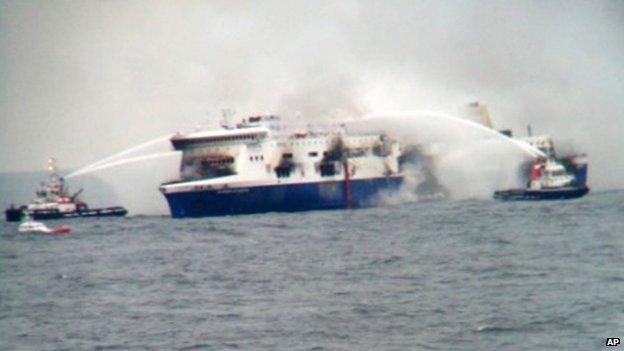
x=550, y=194
x=279, y=198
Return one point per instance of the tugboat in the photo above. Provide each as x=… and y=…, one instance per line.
x=54, y=201
x=550, y=177
x=258, y=166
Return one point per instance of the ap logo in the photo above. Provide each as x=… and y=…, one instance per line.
x=613, y=341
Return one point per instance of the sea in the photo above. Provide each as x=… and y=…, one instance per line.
x=423, y=275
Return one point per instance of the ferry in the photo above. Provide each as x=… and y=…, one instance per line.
x=54, y=201
x=259, y=166
x=550, y=177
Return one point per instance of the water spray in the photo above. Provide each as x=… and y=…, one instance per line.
x=524, y=147
x=117, y=156
x=121, y=162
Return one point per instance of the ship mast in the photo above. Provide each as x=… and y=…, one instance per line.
x=52, y=166
x=56, y=184
x=226, y=113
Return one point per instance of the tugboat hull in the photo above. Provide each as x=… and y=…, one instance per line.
x=542, y=194
x=15, y=214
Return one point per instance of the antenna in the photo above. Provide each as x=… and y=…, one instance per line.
x=226, y=113
x=52, y=165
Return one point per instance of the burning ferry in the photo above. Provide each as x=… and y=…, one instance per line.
x=257, y=166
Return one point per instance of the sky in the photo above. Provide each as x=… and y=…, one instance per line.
x=83, y=80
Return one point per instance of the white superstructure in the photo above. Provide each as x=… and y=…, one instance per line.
x=254, y=154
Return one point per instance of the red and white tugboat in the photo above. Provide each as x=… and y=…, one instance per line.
x=54, y=201
x=550, y=178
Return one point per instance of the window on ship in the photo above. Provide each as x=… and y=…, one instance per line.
x=328, y=169
x=282, y=172
x=197, y=165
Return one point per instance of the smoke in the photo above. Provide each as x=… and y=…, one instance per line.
x=419, y=180
x=320, y=97
x=420, y=174
x=81, y=80
x=419, y=184
x=460, y=159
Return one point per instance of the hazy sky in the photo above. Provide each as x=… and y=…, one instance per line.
x=81, y=80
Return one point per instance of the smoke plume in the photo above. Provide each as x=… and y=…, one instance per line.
x=83, y=80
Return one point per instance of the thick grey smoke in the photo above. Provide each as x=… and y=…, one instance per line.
x=83, y=80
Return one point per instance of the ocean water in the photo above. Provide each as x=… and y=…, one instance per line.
x=437, y=275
